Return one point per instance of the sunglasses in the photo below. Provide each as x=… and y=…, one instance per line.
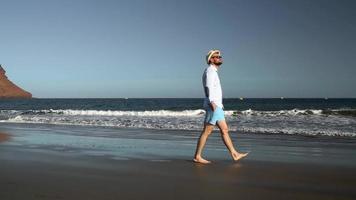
x=216, y=57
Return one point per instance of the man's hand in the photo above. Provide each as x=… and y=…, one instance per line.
x=212, y=106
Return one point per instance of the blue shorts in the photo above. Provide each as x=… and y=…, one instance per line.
x=212, y=117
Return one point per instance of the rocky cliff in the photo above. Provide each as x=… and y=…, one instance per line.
x=9, y=89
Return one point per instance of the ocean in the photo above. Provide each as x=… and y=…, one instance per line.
x=307, y=117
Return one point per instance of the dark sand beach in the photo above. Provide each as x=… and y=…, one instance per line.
x=30, y=169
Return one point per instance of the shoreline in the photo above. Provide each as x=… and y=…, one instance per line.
x=136, y=143
x=60, y=162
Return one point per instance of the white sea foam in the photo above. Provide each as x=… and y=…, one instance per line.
x=296, y=121
x=171, y=113
x=297, y=131
x=292, y=112
x=167, y=113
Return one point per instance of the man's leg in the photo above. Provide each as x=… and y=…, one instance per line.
x=224, y=130
x=208, y=129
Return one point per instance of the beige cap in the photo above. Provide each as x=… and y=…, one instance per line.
x=211, y=53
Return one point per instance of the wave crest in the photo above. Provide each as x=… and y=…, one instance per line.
x=171, y=113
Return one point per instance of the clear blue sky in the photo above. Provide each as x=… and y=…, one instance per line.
x=156, y=48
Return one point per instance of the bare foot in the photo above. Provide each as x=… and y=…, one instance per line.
x=201, y=160
x=4, y=137
x=237, y=156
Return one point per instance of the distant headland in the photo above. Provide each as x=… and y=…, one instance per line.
x=9, y=90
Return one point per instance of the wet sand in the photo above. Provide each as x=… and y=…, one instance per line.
x=59, y=162
x=41, y=174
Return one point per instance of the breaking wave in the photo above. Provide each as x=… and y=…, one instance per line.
x=184, y=113
x=310, y=122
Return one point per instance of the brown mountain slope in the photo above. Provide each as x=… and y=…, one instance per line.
x=9, y=89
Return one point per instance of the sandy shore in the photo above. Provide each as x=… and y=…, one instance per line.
x=59, y=162
x=41, y=174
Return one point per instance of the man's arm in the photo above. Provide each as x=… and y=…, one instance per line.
x=211, y=104
x=210, y=77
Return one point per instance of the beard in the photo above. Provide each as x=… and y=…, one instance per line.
x=218, y=63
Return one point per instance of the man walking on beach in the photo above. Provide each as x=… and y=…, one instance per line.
x=214, y=109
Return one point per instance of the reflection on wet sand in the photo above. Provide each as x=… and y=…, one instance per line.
x=4, y=137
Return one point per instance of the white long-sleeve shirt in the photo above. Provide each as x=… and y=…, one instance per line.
x=212, y=82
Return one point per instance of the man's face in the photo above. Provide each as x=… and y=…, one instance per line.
x=216, y=59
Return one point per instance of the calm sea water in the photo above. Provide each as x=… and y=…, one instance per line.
x=310, y=117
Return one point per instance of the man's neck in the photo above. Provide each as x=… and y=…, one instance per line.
x=215, y=66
